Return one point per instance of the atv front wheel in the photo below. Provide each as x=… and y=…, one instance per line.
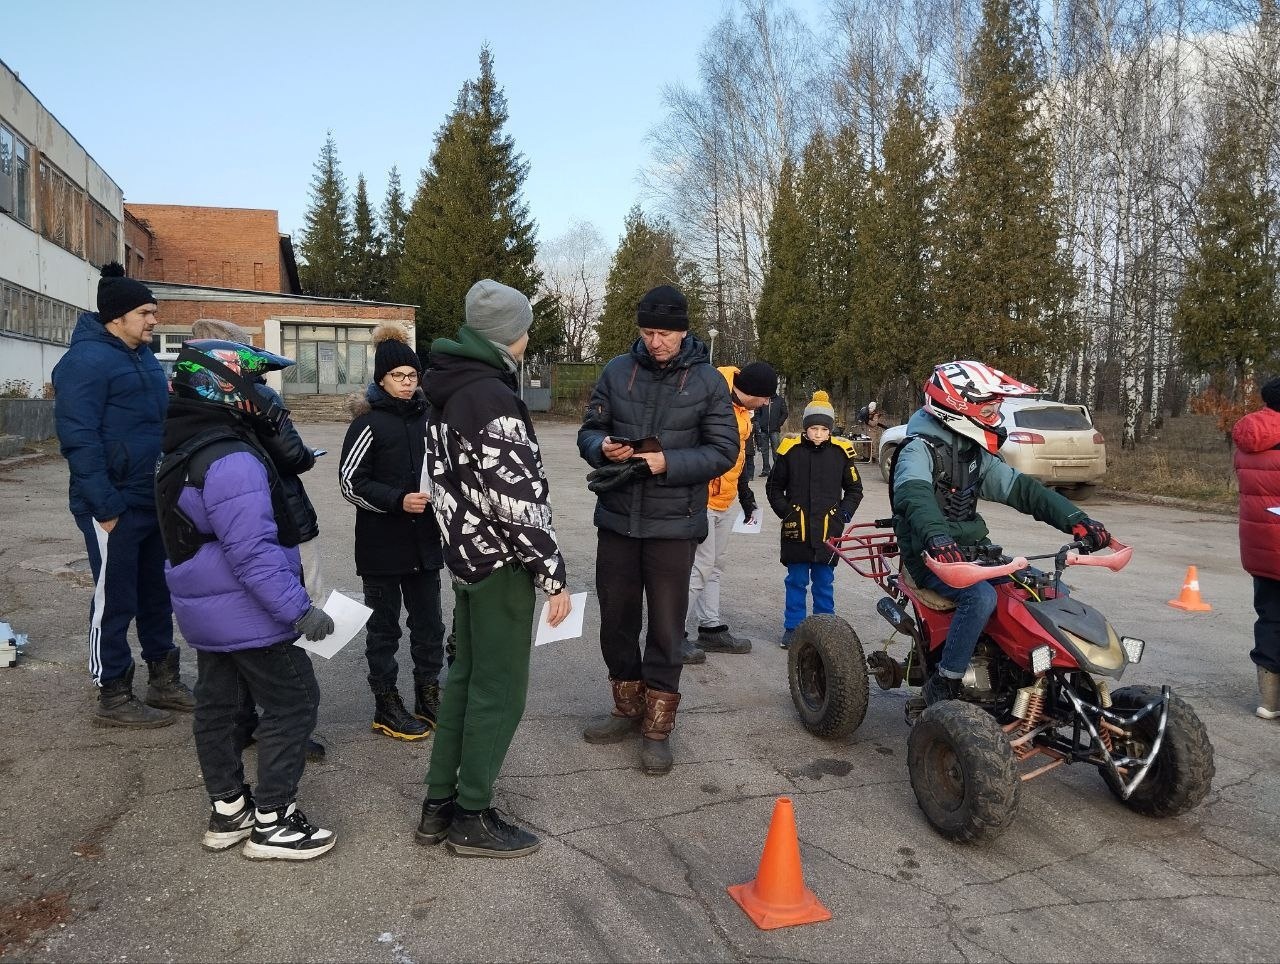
x=1182, y=772
x=963, y=772
x=828, y=676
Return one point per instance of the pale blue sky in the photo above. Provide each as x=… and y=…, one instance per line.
x=228, y=103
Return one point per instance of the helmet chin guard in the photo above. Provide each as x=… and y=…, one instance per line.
x=965, y=396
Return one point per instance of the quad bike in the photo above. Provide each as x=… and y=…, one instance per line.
x=1037, y=691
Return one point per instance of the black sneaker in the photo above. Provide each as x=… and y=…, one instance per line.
x=485, y=834
x=436, y=820
x=286, y=836
x=718, y=639
x=689, y=653
x=228, y=829
x=787, y=636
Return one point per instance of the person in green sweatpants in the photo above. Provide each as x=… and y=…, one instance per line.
x=495, y=520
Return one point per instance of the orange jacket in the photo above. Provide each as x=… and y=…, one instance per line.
x=722, y=491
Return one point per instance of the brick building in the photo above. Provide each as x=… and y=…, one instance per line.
x=234, y=264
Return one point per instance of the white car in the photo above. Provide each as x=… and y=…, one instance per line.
x=1050, y=441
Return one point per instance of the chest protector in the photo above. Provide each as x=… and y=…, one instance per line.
x=187, y=465
x=956, y=478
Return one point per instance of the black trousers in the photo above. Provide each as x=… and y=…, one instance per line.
x=277, y=678
x=629, y=574
x=421, y=594
x=1266, y=630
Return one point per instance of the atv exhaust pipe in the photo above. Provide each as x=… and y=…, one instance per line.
x=896, y=616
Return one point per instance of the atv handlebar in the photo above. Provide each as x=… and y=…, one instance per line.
x=1119, y=558
x=962, y=575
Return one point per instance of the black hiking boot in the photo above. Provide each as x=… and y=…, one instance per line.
x=165, y=689
x=426, y=702
x=718, y=639
x=437, y=817
x=938, y=688
x=230, y=821
x=689, y=653
x=486, y=834
x=391, y=717
x=117, y=706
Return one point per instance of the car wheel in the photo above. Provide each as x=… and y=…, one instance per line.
x=886, y=461
x=1083, y=492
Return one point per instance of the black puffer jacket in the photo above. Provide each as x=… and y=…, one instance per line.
x=685, y=403
x=381, y=464
x=291, y=457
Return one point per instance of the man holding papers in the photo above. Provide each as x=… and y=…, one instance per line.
x=491, y=499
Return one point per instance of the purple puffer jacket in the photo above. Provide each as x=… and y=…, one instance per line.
x=243, y=591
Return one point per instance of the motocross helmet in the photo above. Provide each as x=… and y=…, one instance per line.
x=960, y=394
x=221, y=373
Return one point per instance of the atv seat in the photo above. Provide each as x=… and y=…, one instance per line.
x=927, y=596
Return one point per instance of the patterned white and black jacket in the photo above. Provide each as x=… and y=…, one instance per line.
x=488, y=486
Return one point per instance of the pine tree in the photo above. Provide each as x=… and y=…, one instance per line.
x=394, y=215
x=1007, y=282
x=1226, y=314
x=646, y=258
x=784, y=314
x=368, y=278
x=324, y=248
x=468, y=220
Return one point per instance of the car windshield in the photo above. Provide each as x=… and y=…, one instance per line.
x=1052, y=418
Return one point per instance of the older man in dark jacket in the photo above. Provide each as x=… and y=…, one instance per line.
x=658, y=428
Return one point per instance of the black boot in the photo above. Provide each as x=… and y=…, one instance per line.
x=659, y=721
x=938, y=688
x=718, y=639
x=165, y=689
x=628, y=712
x=426, y=702
x=117, y=706
x=390, y=717
x=689, y=653
x=485, y=834
x=436, y=820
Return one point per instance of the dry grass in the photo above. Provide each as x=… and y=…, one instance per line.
x=1187, y=459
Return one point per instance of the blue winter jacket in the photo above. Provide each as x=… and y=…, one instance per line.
x=109, y=405
x=244, y=590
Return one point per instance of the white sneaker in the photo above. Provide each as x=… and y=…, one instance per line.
x=229, y=822
x=286, y=836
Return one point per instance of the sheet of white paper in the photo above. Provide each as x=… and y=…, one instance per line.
x=1275, y=509
x=571, y=628
x=348, y=617
x=742, y=525
x=424, y=480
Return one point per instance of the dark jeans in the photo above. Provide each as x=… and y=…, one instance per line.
x=974, y=606
x=1266, y=630
x=281, y=681
x=129, y=586
x=488, y=681
x=421, y=592
x=629, y=573
x=767, y=444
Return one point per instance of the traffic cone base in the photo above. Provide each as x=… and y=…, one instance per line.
x=778, y=896
x=1189, y=599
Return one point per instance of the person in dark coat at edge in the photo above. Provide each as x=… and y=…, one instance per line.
x=651, y=510
x=236, y=580
x=1257, y=465
x=493, y=500
x=109, y=406
x=291, y=456
x=397, y=538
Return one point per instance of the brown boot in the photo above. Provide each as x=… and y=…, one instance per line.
x=659, y=720
x=628, y=711
x=1268, y=694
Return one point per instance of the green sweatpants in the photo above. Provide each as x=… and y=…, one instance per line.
x=485, y=693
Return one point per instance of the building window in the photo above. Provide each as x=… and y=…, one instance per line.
x=15, y=175
x=61, y=209
x=24, y=312
x=104, y=235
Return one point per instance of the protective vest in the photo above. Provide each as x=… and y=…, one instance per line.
x=956, y=480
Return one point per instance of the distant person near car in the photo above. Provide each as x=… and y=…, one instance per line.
x=873, y=423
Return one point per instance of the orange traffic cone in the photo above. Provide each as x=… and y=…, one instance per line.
x=1189, y=599
x=778, y=896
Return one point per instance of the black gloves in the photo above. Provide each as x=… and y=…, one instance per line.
x=943, y=548
x=315, y=624
x=617, y=473
x=1094, y=534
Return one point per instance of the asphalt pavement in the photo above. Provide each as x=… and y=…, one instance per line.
x=100, y=829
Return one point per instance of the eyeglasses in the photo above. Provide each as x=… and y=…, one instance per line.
x=403, y=376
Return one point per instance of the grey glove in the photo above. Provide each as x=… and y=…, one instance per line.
x=315, y=624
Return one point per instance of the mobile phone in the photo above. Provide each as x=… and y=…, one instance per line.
x=319, y=452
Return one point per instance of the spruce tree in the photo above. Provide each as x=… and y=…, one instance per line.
x=1007, y=281
x=1226, y=314
x=468, y=220
x=784, y=314
x=368, y=278
x=646, y=257
x=394, y=215
x=324, y=248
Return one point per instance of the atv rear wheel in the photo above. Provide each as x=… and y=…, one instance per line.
x=963, y=772
x=1182, y=772
x=828, y=676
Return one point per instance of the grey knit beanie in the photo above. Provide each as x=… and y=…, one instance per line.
x=497, y=312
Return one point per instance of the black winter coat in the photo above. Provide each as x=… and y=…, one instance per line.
x=291, y=457
x=685, y=403
x=381, y=464
x=814, y=490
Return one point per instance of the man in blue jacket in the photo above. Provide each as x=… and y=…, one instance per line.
x=110, y=402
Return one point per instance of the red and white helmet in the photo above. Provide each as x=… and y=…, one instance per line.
x=959, y=394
